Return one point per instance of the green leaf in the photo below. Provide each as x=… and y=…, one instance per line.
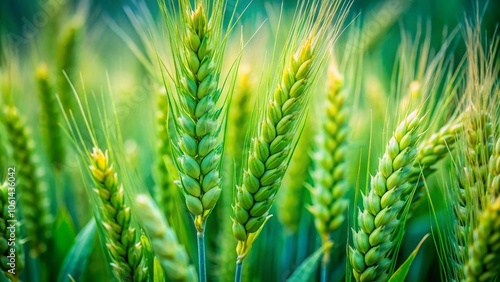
x=402, y=272
x=305, y=270
x=64, y=237
x=76, y=261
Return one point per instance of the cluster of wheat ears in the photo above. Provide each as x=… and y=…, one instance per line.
x=291, y=116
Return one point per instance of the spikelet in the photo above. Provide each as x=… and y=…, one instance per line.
x=33, y=200
x=170, y=253
x=124, y=246
x=375, y=240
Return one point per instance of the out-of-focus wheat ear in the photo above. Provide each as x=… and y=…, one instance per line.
x=329, y=165
x=378, y=220
x=484, y=246
x=124, y=246
x=290, y=203
x=66, y=61
x=494, y=171
x=166, y=247
x=237, y=126
x=32, y=194
x=165, y=187
x=430, y=152
x=6, y=219
x=50, y=117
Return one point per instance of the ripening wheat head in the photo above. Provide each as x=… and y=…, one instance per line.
x=375, y=239
x=197, y=49
x=171, y=254
x=328, y=172
x=35, y=211
x=279, y=124
x=124, y=246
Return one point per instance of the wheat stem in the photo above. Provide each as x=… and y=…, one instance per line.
x=239, y=268
x=202, y=272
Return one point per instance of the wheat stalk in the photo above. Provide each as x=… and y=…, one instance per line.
x=376, y=238
x=35, y=210
x=125, y=249
x=170, y=253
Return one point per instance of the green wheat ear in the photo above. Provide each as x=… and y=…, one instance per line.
x=50, y=117
x=195, y=103
x=124, y=246
x=33, y=200
x=170, y=253
x=280, y=123
x=375, y=241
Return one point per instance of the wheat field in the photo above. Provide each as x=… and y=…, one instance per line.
x=204, y=140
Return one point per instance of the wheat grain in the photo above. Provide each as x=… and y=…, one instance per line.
x=125, y=249
x=375, y=240
x=33, y=200
x=170, y=253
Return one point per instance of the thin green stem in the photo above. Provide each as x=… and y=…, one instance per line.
x=237, y=275
x=202, y=273
x=324, y=267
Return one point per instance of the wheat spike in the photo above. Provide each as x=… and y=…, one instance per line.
x=127, y=258
x=198, y=150
x=375, y=240
x=50, y=118
x=329, y=162
x=170, y=253
x=484, y=246
x=33, y=200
